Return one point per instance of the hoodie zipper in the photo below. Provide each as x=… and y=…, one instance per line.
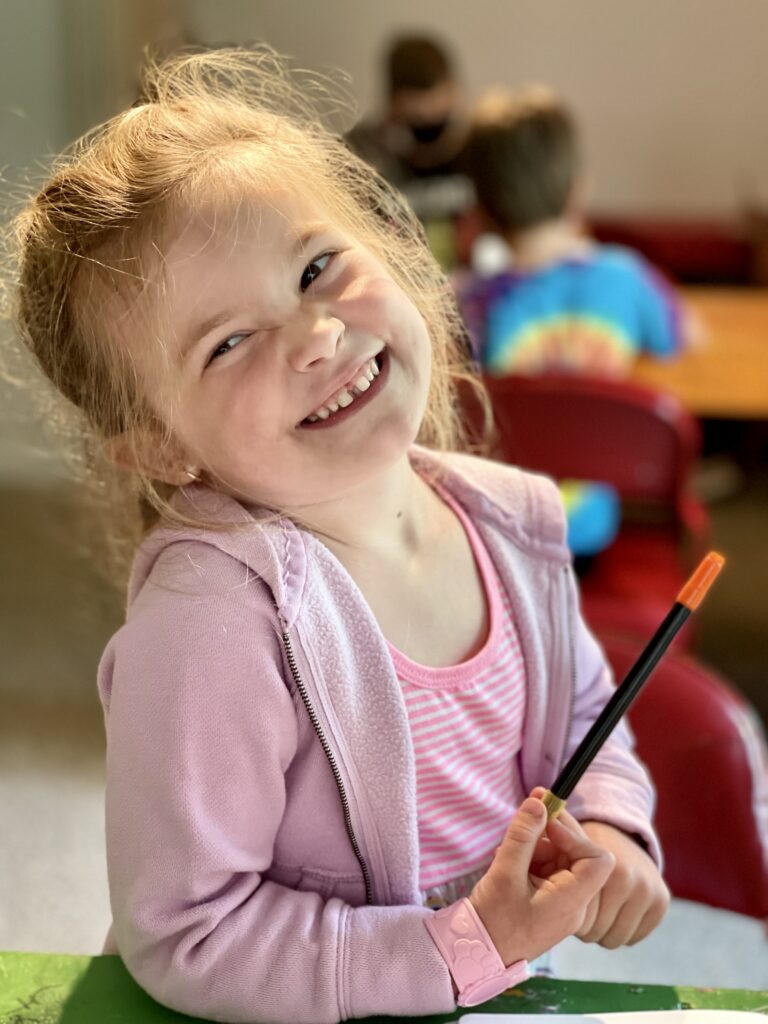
x=333, y=765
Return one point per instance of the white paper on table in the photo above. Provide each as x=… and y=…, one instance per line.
x=635, y=1017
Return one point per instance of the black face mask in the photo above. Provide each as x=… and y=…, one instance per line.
x=428, y=131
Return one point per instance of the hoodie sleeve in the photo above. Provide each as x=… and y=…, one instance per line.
x=201, y=730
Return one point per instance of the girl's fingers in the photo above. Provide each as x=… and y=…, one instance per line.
x=545, y=849
x=568, y=819
x=567, y=858
x=589, y=864
x=624, y=925
x=624, y=918
x=569, y=844
x=651, y=919
x=572, y=840
x=590, y=915
x=570, y=893
x=570, y=822
x=522, y=837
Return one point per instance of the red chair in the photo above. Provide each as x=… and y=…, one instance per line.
x=706, y=752
x=643, y=443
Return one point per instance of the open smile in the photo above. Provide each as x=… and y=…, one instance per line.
x=351, y=398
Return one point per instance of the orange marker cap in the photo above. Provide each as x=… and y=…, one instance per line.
x=704, y=576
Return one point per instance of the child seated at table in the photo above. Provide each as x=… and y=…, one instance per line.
x=563, y=303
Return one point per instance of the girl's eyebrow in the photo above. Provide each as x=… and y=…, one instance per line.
x=197, y=331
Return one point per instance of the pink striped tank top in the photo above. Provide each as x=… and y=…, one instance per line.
x=466, y=726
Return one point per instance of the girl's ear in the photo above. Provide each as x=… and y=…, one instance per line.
x=145, y=453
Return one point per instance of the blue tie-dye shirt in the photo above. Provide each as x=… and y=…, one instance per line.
x=590, y=314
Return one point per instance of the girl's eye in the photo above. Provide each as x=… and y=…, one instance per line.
x=226, y=346
x=315, y=269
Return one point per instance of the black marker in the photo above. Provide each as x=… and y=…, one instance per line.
x=688, y=600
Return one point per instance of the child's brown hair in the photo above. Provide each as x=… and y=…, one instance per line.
x=89, y=244
x=523, y=157
x=417, y=63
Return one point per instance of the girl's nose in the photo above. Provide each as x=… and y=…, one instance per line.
x=315, y=342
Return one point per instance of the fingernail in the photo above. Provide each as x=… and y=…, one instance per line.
x=533, y=807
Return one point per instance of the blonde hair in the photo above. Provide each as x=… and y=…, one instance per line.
x=84, y=243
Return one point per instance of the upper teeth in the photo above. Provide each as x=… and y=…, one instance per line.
x=348, y=393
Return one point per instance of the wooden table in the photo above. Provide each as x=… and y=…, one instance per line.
x=45, y=988
x=726, y=376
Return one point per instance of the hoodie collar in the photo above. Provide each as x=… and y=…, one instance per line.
x=524, y=507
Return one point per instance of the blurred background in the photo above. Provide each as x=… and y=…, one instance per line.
x=671, y=106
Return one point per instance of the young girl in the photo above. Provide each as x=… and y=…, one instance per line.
x=348, y=661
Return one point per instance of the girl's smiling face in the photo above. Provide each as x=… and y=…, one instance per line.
x=277, y=322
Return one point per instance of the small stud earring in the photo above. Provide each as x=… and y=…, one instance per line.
x=193, y=476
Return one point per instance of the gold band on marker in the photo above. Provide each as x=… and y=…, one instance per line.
x=554, y=804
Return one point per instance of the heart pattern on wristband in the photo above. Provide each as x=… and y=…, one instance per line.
x=469, y=952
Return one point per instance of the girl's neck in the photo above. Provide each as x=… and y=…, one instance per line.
x=548, y=243
x=395, y=516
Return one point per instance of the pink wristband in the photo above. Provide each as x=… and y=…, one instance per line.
x=470, y=954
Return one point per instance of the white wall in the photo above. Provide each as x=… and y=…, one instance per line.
x=672, y=96
x=65, y=65
x=32, y=126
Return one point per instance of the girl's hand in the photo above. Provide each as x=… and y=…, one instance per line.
x=633, y=900
x=540, y=885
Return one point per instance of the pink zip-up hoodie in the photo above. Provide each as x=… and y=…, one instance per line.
x=261, y=792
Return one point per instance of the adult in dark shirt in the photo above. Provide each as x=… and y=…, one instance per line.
x=418, y=143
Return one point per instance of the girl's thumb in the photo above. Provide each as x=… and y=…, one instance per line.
x=523, y=832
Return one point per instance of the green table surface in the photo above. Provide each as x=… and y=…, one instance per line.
x=45, y=988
